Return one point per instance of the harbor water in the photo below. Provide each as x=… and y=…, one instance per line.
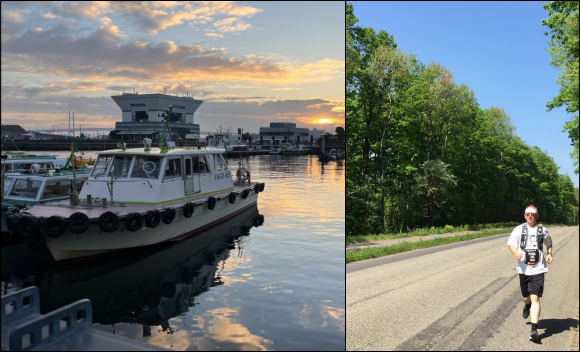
x=272, y=278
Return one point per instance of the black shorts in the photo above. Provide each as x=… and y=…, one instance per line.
x=532, y=284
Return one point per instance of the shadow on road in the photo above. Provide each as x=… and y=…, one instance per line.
x=555, y=326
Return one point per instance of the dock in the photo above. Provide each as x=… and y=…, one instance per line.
x=69, y=328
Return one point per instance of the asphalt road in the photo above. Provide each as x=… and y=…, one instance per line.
x=462, y=296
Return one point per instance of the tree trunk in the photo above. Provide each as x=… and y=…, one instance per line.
x=476, y=202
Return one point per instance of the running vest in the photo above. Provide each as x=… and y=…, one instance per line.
x=532, y=255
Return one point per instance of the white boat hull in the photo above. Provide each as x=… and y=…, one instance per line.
x=95, y=241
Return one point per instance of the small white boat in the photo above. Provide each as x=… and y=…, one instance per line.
x=20, y=161
x=25, y=188
x=139, y=197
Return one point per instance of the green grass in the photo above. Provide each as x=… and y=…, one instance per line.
x=355, y=256
x=437, y=230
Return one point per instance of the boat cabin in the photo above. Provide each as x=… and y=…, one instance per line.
x=27, y=188
x=152, y=176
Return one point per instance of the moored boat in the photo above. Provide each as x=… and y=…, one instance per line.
x=295, y=150
x=15, y=162
x=25, y=188
x=142, y=196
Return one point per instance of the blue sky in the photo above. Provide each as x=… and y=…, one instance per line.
x=498, y=49
x=250, y=62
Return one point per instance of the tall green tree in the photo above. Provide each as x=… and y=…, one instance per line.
x=563, y=25
x=389, y=69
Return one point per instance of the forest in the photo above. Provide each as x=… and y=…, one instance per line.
x=422, y=152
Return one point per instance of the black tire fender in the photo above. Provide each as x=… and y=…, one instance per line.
x=78, y=223
x=54, y=226
x=188, y=209
x=153, y=218
x=11, y=222
x=109, y=222
x=27, y=226
x=168, y=216
x=246, y=193
x=232, y=197
x=211, y=201
x=133, y=222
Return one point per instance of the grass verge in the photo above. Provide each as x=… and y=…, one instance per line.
x=355, y=256
x=438, y=230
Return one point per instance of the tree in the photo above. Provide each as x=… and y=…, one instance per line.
x=246, y=136
x=563, y=23
x=435, y=181
x=340, y=133
x=388, y=67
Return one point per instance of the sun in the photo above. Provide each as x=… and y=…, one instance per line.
x=321, y=121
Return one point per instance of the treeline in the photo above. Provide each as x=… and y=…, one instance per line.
x=423, y=153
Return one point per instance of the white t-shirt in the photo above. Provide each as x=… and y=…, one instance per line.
x=531, y=243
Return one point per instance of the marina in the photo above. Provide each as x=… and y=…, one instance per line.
x=269, y=278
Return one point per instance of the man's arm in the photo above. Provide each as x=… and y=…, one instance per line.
x=549, y=255
x=515, y=252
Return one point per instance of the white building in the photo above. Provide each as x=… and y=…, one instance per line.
x=283, y=132
x=142, y=115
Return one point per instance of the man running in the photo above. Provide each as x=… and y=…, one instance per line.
x=526, y=245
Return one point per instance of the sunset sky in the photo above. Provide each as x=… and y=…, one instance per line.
x=250, y=62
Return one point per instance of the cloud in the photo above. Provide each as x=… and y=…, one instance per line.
x=11, y=17
x=214, y=35
x=286, y=88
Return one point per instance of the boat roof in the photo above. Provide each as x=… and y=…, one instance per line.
x=170, y=152
x=47, y=175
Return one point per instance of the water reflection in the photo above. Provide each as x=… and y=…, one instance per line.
x=147, y=286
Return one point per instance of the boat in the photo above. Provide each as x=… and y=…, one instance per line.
x=139, y=197
x=275, y=150
x=295, y=150
x=176, y=274
x=25, y=188
x=80, y=161
x=332, y=154
x=21, y=161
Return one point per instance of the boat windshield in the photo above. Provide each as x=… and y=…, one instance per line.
x=220, y=163
x=121, y=165
x=25, y=188
x=100, y=167
x=146, y=167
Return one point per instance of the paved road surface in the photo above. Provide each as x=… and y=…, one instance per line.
x=462, y=296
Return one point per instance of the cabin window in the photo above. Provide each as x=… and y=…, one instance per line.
x=60, y=189
x=173, y=169
x=220, y=163
x=25, y=188
x=100, y=167
x=146, y=167
x=199, y=165
x=121, y=166
x=7, y=182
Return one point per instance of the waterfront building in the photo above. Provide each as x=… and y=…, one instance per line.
x=315, y=134
x=143, y=115
x=283, y=132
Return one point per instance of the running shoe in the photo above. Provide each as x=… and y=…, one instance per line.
x=526, y=312
x=534, y=336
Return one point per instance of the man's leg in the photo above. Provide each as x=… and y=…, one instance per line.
x=527, y=300
x=535, y=310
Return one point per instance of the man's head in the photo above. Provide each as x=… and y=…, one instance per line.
x=531, y=214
